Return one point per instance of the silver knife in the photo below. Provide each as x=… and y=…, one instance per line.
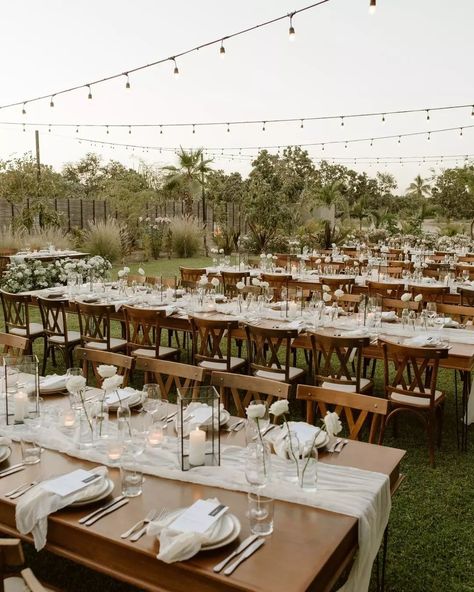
x=101, y=509
x=10, y=468
x=12, y=491
x=240, y=426
x=24, y=490
x=105, y=512
x=243, y=545
x=11, y=471
x=245, y=555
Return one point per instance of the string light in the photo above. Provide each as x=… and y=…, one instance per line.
x=460, y=131
x=23, y=111
x=175, y=71
x=291, y=30
x=371, y=142
x=263, y=126
x=107, y=128
x=49, y=129
x=127, y=83
x=428, y=137
x=222, y=50
x=89, y=96
x=194, y=129
x=399, y=139
x=24, y=129
x=161, y=129
x=342, y=120
x=129, y=130
x=427, y=114
x=383, y=117
x=77, y=129
x=472, y=112
x=228, y=128
x=51, y=102
x=372, y=6
x=302, y=125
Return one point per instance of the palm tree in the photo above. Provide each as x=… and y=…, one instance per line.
x=359, y=210
x=188, y=177
x=419, y=188
x=329, y=196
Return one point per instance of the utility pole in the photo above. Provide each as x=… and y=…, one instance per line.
x=203, y=202
x=38, y=176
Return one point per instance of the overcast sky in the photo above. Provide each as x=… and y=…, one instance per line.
x=409, y=54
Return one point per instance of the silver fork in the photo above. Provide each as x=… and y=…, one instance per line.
x=20, y=492
x=148, y=518
x=161, y=516
x=234, y=426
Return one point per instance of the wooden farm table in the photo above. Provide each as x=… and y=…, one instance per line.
x=308, y=550
x=45, y=256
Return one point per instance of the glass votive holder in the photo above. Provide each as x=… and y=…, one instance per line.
x=260, y=513
x=114, y=451
x=155, y=436
x=131, y=477
x=30, y=452
x=68, y=420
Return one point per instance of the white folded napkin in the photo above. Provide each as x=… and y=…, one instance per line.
x=36, y=505
x=390, y=315
x=422, y=340
x=55, y=381
x=355, y=333
x=305, y=433
x=176, y=545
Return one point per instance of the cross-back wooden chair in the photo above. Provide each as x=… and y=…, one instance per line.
x=12, y=577
x=469, y=258
x=385, y=289
x=397, y=305
x=430, y=293
x=241, y=390
x=349, y=302
x=412, y=386
x=191, y=275
x=269, y=353
x=12, y=345
x=460, y=269
x=212, y=345
x=95, y=327
x=277, y=281
x=93, y=358
x=170, y=376
x=16, y=316
x=136, y=279
x=461, y=314
x=143, y=329
x=358, y=411
x=345, y=283
x=230, y=279
x=58, y=336
x=467, y=296
x=338, y=362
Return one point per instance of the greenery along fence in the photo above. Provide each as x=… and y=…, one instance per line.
x=76, y=213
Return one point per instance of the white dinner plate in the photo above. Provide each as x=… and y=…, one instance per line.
x=104, y=491
x=229, y=529
x=133, y=400
x=230, y=538
x=5, y=452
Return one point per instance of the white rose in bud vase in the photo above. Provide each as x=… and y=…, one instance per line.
x=318, y=261
x=406, y=297
x=262, y=256
x=326, y=288
x=332, y=423
x=76, y=384
x=255, y=282
x=339, y=293
x=256, y=411
x=356, y=264
x=418, y=298
x=121, y=273
x=106, y=371
x=126, y=269
x=221, y=251
x=279, y=408
x=269, y=256
x=327, y=259
x=327, y=297
x=141, y=271
x=333, y=245
x=215, y=282
x=274, y=257
x=240, y=285
x=203, y=281
x=112, y=383
x=264, y=285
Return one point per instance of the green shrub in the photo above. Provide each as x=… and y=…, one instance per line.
x=186, y=236
x=107, y=238
x=50, y=236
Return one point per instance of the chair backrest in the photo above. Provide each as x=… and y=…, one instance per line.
x=333, y=357
x=8, y=342
x=398, y=305
x=345, y=283
x=385, y=289
x=264, y=347
x=16, y=313
x=231, y=278
x=208, y=338
x=11, y=554
x=462, y=268
x=416, y=371
x=191, y=275
x=349, y=302
x=143, y=328
x=430, y=293
x=467, y=296
x=96, y=357
x=462, y=314
x=357, y=410
x=394, y=271
x=277, y=281
x=171, y=375
x=136, y=279
x=53, y=316
x=242, y=389
x=94, y=323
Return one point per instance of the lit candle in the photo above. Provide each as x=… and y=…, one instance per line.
x=197, y=447
x=155, y=436
x=69, y=419
x=114, y=450
x=21, y=406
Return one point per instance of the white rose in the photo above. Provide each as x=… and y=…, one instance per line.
x=279, y=408
x=240, y=285
x=121, y=273
x=141, y=271
x=327, y=297
x=332, y=423
x=406, y=297
x=326, y=288
x=318, y=261
x=418, y=298
x=112, y=383
x=262, y=256
x=126, y=269
x=203, y=281
x=356, y=264
x=255, y=282
x=269, y=256
x=274, y=257
x=339, y=293
x=76, y=384
x=106, y=371
x=264, y=284
x=333, y=245
x=256, y=411
x=215, y=282
x=327, y=259
x=221, y=251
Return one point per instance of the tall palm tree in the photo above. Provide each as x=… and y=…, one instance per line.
x=360, y=211
x=419, y=188
x=188, y=177
x=329, y=196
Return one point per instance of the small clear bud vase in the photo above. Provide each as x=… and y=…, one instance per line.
x=124, y=426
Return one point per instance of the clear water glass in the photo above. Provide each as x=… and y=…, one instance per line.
x=30, y=451
x=260, y=511
x=131, y=476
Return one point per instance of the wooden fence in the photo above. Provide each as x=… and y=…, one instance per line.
x=76, y=213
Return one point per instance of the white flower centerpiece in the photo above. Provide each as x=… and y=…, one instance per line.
x=110, y=383
x=256, y=414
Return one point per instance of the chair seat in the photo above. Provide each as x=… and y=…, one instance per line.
x=294, y=373
x=14, y=584
x=163, y=352
x=115, y=344
x=35, y=329
x=415, y=401
x=365, y=384
x=221, y=365
x=72, y=337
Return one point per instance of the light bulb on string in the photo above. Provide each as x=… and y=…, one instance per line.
x=302, y=124
x=399, y=139
x=49, y=128
x=51, y=101
x=371, y=142
x=89, y=96
x=428, y=137
x=161, y=129
x=372, y=6
x=460, y=131
x=291, y=30
x=222, y=50
x=345, y=145
x=263, y=126
x=228, y=128
x=24, y=128
x=77, y=129
x=107, y=128
x=175, y=71
x=427, y=115
x=129, y=129
x=342, y=120
x=23, y=111
x=322, y=147
x=383, y=117
x=472, y=111
x=127, y=83
x=194, y=128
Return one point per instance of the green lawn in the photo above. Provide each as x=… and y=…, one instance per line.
x=431, y=543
